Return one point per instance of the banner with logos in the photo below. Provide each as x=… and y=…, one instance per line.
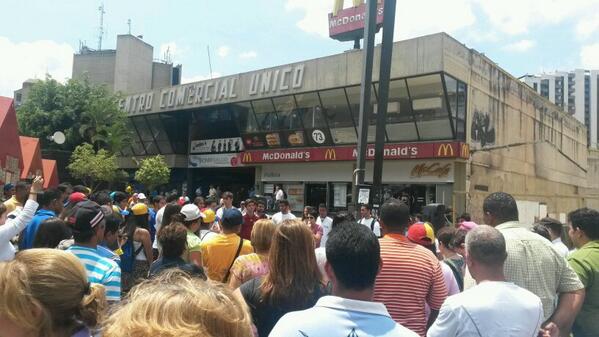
x=215, y=160
x=349, y=153
x=221, y=145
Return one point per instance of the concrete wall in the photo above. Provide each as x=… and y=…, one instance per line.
x=520, y=142
x=161, y=75
x=97, y=66
x=133, y=65
x=592, y=192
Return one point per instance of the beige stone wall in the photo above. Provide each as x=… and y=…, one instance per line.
x=520, y=142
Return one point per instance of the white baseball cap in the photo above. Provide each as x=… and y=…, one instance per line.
x=190, y=212
x=141, y=196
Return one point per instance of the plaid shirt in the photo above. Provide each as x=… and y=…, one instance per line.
x=533, y=264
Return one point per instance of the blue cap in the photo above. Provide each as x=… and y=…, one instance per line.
x=232, y=217
x=8, y=187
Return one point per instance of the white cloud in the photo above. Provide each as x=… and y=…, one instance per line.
x=223, y=51
x=520, y=46
x=198, y=78
x=589, y=56
x=20, y=61
x=413, y=18
x=248, y=55
x=518, y=16
x=587, y=26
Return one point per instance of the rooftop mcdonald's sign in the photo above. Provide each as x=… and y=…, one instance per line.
x=348, y=153
x=347, y=24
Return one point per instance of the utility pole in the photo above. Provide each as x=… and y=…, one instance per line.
x=383, y=99
x=101, y=35
x=365, y=96
x=129, y=24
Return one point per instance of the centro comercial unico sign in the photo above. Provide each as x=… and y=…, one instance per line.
x=347, y=24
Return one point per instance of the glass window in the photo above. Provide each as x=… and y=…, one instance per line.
x=177, y=127
x=245, y=117
x=151, y=148
x=289, y=117
x=400, y=121
x=461, y=111
x=138, y=148
x=156, y=127
x=143, y=129
x=312, y=115
x=353, y=94
x=338, y=115
x=429, y=107
x=265, y=114
x=452, y=94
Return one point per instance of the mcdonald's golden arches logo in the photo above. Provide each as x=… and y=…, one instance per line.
x=445, y=150
x=247, y=157
x=465, y=151
x=330, y=154
x=338, y=5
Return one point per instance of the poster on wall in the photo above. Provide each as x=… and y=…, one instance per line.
x=340, y=195
x=484, y=117
x=221, y=145
x=215, y=160
x=295, y=196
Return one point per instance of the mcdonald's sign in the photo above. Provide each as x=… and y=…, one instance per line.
x=465, y=151
x=445, y=150
x=330, y=154
x=247, y=157
x=347, y=24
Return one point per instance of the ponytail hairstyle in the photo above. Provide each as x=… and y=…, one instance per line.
x=52, y=284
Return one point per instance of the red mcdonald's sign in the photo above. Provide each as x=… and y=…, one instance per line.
x=348, y=153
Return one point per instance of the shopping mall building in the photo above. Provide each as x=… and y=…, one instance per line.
x=458, y=127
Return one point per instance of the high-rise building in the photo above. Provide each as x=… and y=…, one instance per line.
x=129, y=68
x=576, y=92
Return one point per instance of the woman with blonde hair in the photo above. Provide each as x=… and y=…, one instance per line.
x=177, y=305
x=250, y=266
x=45, y=292
x=293, y=281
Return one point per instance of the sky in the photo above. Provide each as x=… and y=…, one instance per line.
x=39, y=37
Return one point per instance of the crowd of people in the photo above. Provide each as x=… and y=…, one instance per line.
x=79, y=263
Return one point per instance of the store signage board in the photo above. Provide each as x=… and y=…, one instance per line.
x=349, y=153
x=221, y=145
x=347, y=24
x=215, y=160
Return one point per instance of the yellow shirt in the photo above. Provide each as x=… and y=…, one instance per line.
x=11, y=204
x=219, y=252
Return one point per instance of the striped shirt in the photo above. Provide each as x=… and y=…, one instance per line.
x=100, y=270
x=411, y=277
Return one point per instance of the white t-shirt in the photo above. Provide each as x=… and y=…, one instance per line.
x=157, y=226
x=280, y=195
x=368, y=222
x=490, y=309
x=280, y=217
x=561, y=248
x=206, y=235
x=327, y=225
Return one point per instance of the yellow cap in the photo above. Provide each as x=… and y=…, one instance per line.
x=139, y=209
x=208, y=216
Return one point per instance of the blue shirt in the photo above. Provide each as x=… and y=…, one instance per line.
x=152, y=223
x=31, y=229
x=337, y=316
x=100, y=270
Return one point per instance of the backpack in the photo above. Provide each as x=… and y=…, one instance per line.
x=456, y=274
x=129, y=255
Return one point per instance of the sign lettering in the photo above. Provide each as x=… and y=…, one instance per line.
x=431, y=170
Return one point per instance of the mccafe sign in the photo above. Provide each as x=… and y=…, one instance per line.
x=270, y=82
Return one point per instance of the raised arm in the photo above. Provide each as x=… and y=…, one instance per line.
x=14, y=226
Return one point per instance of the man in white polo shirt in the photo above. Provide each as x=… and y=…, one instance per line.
x=353, y=261
x=494, y=307
x=325, y=222
x=284, y=214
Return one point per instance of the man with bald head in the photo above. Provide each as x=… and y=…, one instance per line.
x=494, y=307
x=533, y=264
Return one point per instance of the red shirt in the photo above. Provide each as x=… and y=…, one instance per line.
x=411, y=276
x=248, y=224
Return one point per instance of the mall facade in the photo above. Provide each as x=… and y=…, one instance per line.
x=458, y=128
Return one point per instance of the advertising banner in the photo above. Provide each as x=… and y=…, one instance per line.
x=221, y=145
x=215, y=160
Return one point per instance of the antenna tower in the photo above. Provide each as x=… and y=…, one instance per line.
x=102, y=12
x=129, y=24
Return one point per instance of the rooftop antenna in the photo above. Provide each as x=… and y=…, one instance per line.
x=102, y=12
x=209, y=61
x=129, y=24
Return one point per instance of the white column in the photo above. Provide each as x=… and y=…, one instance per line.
x=594, y=107
x=579, y=92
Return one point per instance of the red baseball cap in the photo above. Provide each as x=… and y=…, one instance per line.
x=77, y=197
x=422, y=233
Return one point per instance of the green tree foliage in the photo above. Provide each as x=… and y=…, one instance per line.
x=153, y=172
x=94, y=167
x=83, y=111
